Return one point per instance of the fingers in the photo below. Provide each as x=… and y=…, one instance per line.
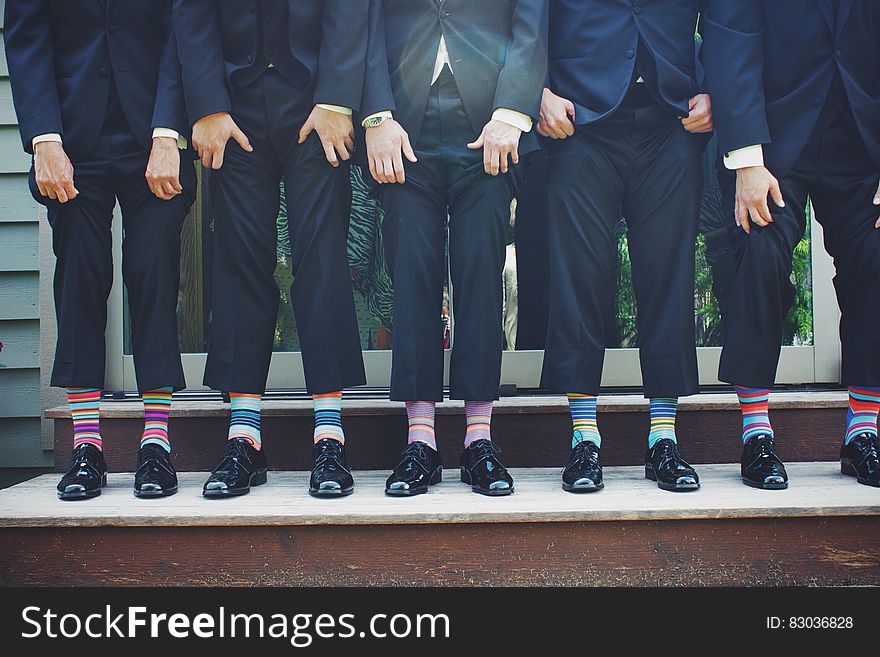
x=492, y=160
x=348, y=141
x=306, y=130
x=169, y=189
x=207, y=158
x=69, y=190
x=760, y=214
x=742, y=217
x=776, y=194
x=408, y=149
x=242, y=139
x=514, y=154
x=217, y=157
x=330, y=154
x=398, y=168
x=474, y=145
x=175, y=184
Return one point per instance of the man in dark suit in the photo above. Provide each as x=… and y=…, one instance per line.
x=623, y=108
x=452, y=86
x=798, y=113
x=270, y=87
x=96, y=86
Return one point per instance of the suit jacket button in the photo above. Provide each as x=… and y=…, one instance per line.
x=630, y=54
x=637, y=10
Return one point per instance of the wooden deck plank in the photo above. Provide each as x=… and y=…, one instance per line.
x=525, y=404
x=817, y=490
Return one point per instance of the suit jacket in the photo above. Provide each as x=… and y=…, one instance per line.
x=218, y=38
x=595, y=44
x=771, y=66
x=62, y=53
x=497, y=49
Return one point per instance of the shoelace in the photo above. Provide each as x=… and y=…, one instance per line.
x=328, y=451
x=235, y=453
x=583, y=452
x=485, y=450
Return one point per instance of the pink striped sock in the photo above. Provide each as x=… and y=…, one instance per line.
x=420, y=416
x=479, y=421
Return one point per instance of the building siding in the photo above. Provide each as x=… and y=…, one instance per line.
x=20, y=395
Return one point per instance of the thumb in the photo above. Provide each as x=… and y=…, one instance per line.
x=474, y=145
x=305, y=131
x=692, y=103
x=408, y=149
x=569, y=108
x=776, y=194
x=242, y=140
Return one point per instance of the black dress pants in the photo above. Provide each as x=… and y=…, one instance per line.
x=837, y=174
x=82, y=242
x=447, y=181
x=640, y=164
x=245, y=297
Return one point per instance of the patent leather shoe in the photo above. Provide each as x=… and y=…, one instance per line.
x=155, y=475
x=330, y=474
x=86, y=476
x=665, y=465
x=760, y=466
x=583, y=474
x=860, y=459
x=242, y=466
x=481, y=469
x=419, y=467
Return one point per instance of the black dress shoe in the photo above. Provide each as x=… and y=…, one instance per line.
x=481, y=469
x=860, y=459
x=330, y=474
x=419, y=468
x=583, y=474
x=86, y=476
x=664, y=464
x=155, y=476
x=242, y=467
x=760, y=466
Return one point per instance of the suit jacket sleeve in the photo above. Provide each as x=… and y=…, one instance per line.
x=341, y=60
x=378, y=95
x=30, y=58
x=524, y=73
x=733, y=55
x=196, y=26
x=169, y=110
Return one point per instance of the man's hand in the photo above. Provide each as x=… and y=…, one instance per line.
x=498, y=140
x=163, y=169
x=753, y=185
x=557, y=114
x=54, y=172
x=877, y=202
x=210, y=134
x=700, y=117
x=335, y=131
x=385, y=144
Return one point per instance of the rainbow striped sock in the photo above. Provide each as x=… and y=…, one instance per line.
x=84, y=405
x=663, y=410
x=420, y=418
x=583, y=419
x=328, y=416
x=244, y=420
x=157, y=408
x=756, y=416
x=479, y=421
x=864, y=406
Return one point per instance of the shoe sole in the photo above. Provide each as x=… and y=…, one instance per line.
x=145, y=495
x=341, y=492
x=466, y=479
x=436, y=478
x=85, y=495
x=258, y=479
x=848, y=470
x=764, y=486
x=575, y=488
x=674, y=488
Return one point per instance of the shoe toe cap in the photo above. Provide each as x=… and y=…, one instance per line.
x=329, y=486
x=397, y=485
x=500, y=485
x=216, y=486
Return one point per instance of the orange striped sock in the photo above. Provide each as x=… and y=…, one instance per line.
x=420, y=418
x=157, y=408
x=479, y=421
x=84, y=405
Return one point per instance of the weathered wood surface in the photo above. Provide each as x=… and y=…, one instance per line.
x=817, y=490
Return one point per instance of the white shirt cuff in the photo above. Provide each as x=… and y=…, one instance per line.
x=49, y=136
x=386, y=113
x=171, y=134
x=336, y=108
x=750, y=156
x=514, y=118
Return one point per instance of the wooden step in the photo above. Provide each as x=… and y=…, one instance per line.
x=533, y=431
x=823, y=530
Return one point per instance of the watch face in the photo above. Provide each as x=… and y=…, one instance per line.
x=376, y=120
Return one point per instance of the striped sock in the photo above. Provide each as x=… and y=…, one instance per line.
x=420, y=417
x=864, y=406
x=756, y=417
x=583, y=419
x=86, y=417
x=157, y=408
x=244, y=420
x=663, y=411
x=328, y=416
x=479, y=421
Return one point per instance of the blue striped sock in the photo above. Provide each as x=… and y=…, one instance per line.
x=244, y=420
x=663, y=410
x=864, y=405
x=585, y=427
x=328, y=416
